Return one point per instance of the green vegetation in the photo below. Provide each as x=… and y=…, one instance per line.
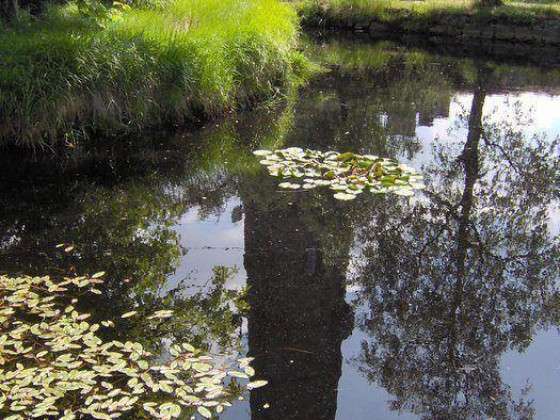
x=387, y=10
x=460, y=18
x=57, y=363
x=81, y=68
x=73, y=71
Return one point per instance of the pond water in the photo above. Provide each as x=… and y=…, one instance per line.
x=442, y=305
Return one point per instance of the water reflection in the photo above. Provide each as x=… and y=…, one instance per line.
x=458, y=278
x=442, y=286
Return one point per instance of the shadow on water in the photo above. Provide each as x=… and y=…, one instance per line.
x=381, y=307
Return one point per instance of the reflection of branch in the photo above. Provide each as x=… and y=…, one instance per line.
x=452, y=211
x=511, y=257
x=437, y=198
x=432, y=241
x=501, y=149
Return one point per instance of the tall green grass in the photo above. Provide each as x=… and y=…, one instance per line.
x=167, y=63
x=512, y=11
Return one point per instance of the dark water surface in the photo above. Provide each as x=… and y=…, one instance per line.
x=444, y=305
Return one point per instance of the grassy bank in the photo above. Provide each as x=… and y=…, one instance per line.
x=68, y=75
x=536, y=21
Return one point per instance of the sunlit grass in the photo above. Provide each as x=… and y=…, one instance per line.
x=171, y=64
x=385, y=9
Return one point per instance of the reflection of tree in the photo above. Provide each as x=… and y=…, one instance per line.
x=361, y=118
x=454, y=281
x=201, y=318
x=117, y=215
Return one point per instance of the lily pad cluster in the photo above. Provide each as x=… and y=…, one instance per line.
x=53, y=362
x=347, y=174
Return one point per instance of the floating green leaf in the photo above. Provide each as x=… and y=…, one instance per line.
x=344, y=196
x=348, y=174
x=204, y=412
x=257, y=384
x=238, y=374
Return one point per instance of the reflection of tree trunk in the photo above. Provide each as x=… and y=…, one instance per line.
x=298, y=316
x=469, y=159
x=8, y=9
x=490, y=3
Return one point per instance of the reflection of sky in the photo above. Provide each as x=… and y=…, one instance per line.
x=210, y=242
x=215, y=240
x=357, y=398
x=538, y=367
x=543, y=111
x=554, y=217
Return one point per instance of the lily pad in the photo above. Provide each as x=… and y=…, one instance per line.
x=346, y=174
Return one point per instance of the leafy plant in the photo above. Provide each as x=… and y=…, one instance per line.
x=94, y=10
x=348, y=174
x=55, y=363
